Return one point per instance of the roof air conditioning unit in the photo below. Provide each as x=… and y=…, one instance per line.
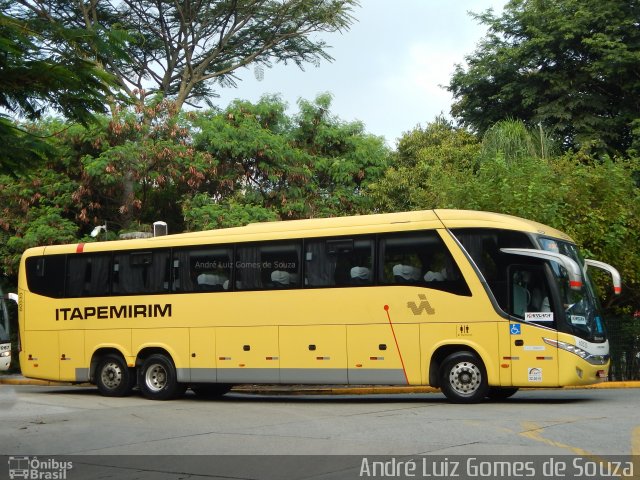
x=160, y=229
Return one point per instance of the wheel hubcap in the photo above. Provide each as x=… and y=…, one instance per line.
x=156, y=377
x=465, y=378
x=111, y=375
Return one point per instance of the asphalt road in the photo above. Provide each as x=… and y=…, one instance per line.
x=37, y=420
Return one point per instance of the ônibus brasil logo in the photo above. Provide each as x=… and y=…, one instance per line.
x=33, y=468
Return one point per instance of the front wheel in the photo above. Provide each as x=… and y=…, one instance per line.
x=113, y=377
x=463, y=378
x=157, y=378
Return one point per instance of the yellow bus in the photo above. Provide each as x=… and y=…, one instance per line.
x=478, y=304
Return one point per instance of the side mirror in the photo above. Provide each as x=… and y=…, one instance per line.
x=615, y=275
x=575, y=273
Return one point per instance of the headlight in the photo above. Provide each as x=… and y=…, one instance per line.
x=592, y=359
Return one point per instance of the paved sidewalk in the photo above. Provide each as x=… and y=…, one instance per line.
x=15, y=379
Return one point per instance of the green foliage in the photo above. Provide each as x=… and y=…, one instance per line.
x=202, y=213
x=308, y=165
x=425, y=156
x=142, y=162
x=571, y=65
x=439, y=141
x=43, y=67
x=513, y=140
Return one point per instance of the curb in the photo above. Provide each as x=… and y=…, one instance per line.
x=312, y=390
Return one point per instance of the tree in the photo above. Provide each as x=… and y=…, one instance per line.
x=183, y=50
x=42, y=69
x=424, y=154
x=274, y=166
x=572, y=66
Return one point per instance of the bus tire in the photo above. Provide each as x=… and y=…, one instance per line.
x=211, y=390
x=113, y=376
x=463, y=378
x=501, y=393
x=157, y=378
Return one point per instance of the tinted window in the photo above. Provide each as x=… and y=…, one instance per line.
x=202, y=269
x=141, y=272
x=339, y=262
x=46, y=275
x=268, y=266
x=419, y=258
x=88, y=275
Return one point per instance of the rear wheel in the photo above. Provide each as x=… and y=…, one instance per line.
x=463, y=378
x=501, y=393
x=157, y=378
x=113, y=376
x=211, y=390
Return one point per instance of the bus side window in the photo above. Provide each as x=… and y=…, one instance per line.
x=202, y=269
x=88, y=275
x=140, y=272
x=269, y=265
x=339, y=262
x=421, y=259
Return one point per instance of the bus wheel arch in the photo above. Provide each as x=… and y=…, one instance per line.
x=460, y=373
x=111, y=374
x=157, y=375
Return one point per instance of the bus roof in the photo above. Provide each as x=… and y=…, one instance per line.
x=334, y=226
x=478, y=219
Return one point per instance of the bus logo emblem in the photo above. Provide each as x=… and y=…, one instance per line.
x=424, y=306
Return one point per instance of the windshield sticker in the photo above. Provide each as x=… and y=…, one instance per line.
x=535, y=374
x=599, y=327
x=538, y=317
x=578, y=320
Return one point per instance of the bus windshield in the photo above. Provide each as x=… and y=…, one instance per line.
x=581, y=306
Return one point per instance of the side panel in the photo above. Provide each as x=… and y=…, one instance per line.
x=41, y=355
x=72, y=356
x=247, y=355
x=374, y=357
x=533, y=363
x=313, y=354
x=203, y=354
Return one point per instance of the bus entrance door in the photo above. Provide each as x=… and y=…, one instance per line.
x=533, y=362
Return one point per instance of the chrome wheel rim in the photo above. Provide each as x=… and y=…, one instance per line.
x=155, y=377
x=465, y=378
x=111, y=375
